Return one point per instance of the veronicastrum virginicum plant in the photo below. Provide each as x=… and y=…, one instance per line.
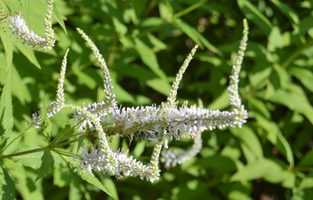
x=158, y=124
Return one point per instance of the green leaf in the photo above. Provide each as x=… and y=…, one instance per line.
x=307, y=182
x=303, y=75
x=286, y=10
x=85, y=78
x=26, y=188
x=6, y=185
x=274, y=39
x=6, y=109
x=55, y=14
x=253, y=14
x=6, y=38
x=285, y=148
x=120, y=28
x=27, y=52
x=32, y=160
x=260, y=107
x=165, y=9
x=58, y=17
x=159, y=85
x=77, y=190
x=80, y=142
x=87, y=176
x=66, y=132
x=109, y=184
x=284, y=177
x=249, y=142
x=149, y=58
x=257, y=169
x=188, y=30
x=139, y=149
x=121, y=94
x=158, y=44
x=46, y=165
x=294, y=102
x=45, y=125
x=307, y=159
x=19, y=88
x=221, y=102
x=274, y=135
x=219, y=164
x=152, y=22
x=207, y=44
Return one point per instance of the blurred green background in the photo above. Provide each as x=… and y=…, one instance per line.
x=144, y=43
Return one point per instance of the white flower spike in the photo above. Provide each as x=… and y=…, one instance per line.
x=158, y=124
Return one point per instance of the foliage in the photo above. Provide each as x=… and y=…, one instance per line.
x=144, y=43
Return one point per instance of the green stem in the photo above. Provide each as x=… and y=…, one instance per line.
x=52, y=147
x=66, y=143
x=25, y=152
x=189, y=9
x=296, y=54
x=14, y=140
x=7, y=7
x=61, y=134
x=62, y=152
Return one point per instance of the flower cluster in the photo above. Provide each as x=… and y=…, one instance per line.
x=185, y=121
x=158, y=124
x=127, y=166
x=171, y=159
x=19, y=27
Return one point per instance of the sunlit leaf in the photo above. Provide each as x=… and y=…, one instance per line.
x=6, y=109
x=253, y=14
x=32, y=160
x=249, y=142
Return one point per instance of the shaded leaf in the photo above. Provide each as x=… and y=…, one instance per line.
x=274, y=135
x=87, y=176
x=27, y=189
x=286, y=10
x=45, y=125
x=294, y=102
x=27, y=52
x=47, y=163
x=307, y=159
x=6, y=185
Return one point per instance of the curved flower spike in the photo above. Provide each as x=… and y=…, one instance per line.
x=19, y=27
x=59, y=103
